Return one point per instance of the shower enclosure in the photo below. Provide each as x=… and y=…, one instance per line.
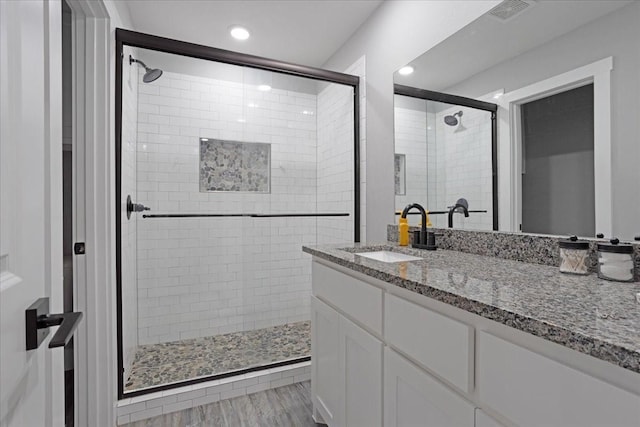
x=226, y=165
x=446, y=150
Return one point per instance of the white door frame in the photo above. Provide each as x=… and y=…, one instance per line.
x=510, y=141
x=94, y=272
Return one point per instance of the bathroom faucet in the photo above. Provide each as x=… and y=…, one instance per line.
x=423, y=213
x=422, y=242
x=460, y=204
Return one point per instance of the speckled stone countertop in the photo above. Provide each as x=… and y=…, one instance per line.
x=584, y=313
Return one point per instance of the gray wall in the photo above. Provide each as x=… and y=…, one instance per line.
x=558, y=183
x=396, y=33
x=616, y=35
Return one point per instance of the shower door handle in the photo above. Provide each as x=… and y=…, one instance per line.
x=135, y=207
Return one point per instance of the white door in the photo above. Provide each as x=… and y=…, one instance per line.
x=31, y=382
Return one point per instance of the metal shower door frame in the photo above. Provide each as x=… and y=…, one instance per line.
x=166, y=45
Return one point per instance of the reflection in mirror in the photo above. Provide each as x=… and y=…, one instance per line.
x=444, y=153
x=549, y=48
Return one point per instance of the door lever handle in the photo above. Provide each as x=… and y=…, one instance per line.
x=38, y=322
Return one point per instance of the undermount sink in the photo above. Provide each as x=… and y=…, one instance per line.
x=388, y=256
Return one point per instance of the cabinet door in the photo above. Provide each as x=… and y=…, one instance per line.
x=326, y=380
x=533, y=390
x=413, y=398
x=361, y=363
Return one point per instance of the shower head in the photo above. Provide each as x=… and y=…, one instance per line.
x=152, y=74
x=451, y=120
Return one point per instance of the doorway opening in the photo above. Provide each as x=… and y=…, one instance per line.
x=558, y=182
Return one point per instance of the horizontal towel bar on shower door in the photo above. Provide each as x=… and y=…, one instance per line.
x=247, y=215
x=437, y=212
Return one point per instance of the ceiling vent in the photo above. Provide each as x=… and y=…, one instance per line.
x=506, y=10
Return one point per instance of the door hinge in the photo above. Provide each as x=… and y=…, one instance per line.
x=78, y=248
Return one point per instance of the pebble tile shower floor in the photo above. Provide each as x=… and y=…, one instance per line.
x=176, y=361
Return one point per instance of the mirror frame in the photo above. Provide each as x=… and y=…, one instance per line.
x=430, y=95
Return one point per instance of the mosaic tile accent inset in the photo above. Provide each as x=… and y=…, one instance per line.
x=234, y=166
x=400, y=174
x=171, y=362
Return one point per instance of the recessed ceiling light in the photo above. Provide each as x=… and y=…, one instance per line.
x=204, y=139
x=406, y=70
x=252, y=105
x=307, y=113
x=239, y=33
x=264, y=88
x=241, y=120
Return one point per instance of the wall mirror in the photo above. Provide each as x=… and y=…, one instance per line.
x=564, y=77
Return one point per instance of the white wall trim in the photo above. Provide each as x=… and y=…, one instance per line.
x=509, y=141
x=94, y=273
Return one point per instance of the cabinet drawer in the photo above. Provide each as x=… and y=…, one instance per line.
x=358, y=300
x=533, y=390
x=440, y=344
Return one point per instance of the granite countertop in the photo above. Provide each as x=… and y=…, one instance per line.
x=587, y=314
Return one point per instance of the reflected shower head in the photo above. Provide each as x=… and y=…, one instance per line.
x=451, y=120
x=152, y=74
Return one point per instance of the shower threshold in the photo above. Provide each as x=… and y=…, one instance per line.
x=174, y=362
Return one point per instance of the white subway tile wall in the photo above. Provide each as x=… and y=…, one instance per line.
x=206, y=276
x=335, y=163
x=411, y=140
x=463, y=162
x=129, y=229
x=358, y=68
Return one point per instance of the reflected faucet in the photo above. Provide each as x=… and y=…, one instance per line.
x=461, y=206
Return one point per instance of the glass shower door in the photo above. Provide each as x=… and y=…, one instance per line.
x=240, y=168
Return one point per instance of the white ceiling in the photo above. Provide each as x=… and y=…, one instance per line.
x=487, y=41
x=305, y=32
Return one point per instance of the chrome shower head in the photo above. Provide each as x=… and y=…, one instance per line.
x=151, y=74
x=451, y=120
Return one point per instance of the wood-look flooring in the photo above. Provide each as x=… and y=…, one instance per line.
x=288, y=406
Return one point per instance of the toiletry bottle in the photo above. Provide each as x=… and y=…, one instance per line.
x=403, y=232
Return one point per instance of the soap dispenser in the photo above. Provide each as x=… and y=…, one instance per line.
x=403, y=232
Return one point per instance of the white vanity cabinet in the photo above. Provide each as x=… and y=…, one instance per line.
x=443, y=366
